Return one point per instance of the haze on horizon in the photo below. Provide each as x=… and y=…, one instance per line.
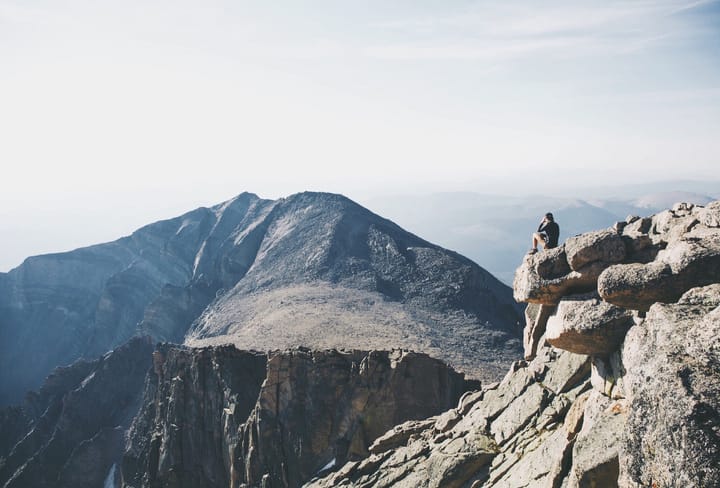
x=113, y=115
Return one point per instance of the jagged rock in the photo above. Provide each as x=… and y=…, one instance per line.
x=317, y=407
x=683, y=265
x=605, y=246
x=639, y=225
x=640, y=247
x=536, y=317
x=651, y=259
x=496, y=401
x=596, y=449
x=218, y=416
x=451, y=463
x=574, y=419
x=651, y=418
x=586, y=325
x=546, y=277
x=673, y=384
x=194, y=403
x=507, y=436
x=400, y=434
x=550, y=263
x=447, y=420
x=471, y=398
x=77, y=436
x=709, y=216
x=568, y=371
x=533, y=468
x=682, y=208
x=518, y=413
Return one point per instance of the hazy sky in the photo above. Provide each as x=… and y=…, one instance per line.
x=115, y=114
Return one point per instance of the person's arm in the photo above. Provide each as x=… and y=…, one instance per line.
x=542, y=225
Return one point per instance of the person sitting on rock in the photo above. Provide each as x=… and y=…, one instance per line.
x=548, y=233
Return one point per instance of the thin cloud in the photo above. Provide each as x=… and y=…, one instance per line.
x=498, y=30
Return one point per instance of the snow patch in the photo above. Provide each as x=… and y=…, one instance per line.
x=110, y=478
x=329, y=465
x=87, y=380
x=185, y=223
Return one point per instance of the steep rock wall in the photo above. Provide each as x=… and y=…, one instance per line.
x=73, y=427
x=217, y=417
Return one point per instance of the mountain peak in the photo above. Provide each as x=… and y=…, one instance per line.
x=312, y=269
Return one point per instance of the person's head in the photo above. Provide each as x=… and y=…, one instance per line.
x=549, y=217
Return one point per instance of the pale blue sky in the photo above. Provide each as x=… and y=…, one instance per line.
x=140, y=110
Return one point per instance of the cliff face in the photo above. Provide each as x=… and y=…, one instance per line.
x=321, y=409
x=621, y=381
x=313, y=269
x=221, y=417
x=216, y=416
x=70, y=432
x=187, y=428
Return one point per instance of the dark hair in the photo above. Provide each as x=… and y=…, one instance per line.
x=549, y=216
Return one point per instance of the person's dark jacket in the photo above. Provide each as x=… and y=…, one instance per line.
x=552, y=231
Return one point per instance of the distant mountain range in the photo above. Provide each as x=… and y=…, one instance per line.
x=313, y=269
x=495, y=230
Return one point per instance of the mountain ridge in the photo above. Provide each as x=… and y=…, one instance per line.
x=160, y=280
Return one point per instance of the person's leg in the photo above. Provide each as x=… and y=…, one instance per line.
x=537, y=239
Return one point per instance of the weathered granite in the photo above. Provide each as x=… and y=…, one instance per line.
x=672, y=381
x=587, y=325
x=604, y=246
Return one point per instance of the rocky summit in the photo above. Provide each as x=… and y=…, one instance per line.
x=620, y=385
x=313, y=269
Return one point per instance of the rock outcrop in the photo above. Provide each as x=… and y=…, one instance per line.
x=672, y=380
x=321, y=409
x=633, y=265
x=216, y=416
x=72, y=428
x=613, y=396
x=313, y=269
x=587, y=325
x=512, y=434
x=194, y=402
